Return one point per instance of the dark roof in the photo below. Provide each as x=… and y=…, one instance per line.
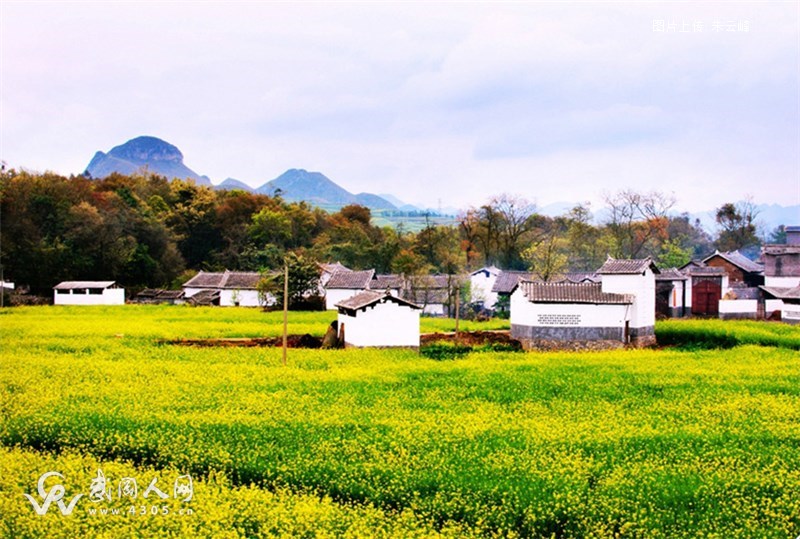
x=671, y=274
x=781, y=292
x=706, y=270
x=67, y=285
x=160, y=294
x=774, y=249
x=382, y=282
x=148, y=293
x=578, y=277
x=335, y=266
x=492, y=270
x=427, y=296
x=739, y=260
x=621, y=266
x=170, y=294
x=355, y=280
x=538, y=292
x=205, y=297
x=367, y=298
x=508, y=279
x=228, y=279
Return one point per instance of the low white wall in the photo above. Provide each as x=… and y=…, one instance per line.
x=246, y=298
x=738, y=306
x=481, y=289
x=791, y=313
x=110, y=296
x=525, y=313
x=782, y=282
x=772, y=305
x=335, y=295
x=385, y=324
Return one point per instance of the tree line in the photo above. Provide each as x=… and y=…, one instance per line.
x=146, y=231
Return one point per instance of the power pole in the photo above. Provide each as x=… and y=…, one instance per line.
x=285, y=307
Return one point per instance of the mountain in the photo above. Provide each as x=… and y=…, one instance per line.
x=231, y=183
x=397, y=202
x=319, y=190
x=149, y=154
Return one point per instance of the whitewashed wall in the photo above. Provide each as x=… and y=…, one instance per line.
x=110, y=296
x=481, y=289
x=525, y=313
x=385, y=324
x=247, y=298
x=791, y=313
x=335, y=295
x=781, y=282
x=738, y=306
x=643, y=288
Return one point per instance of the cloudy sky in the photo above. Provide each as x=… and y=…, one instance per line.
x=427, y=101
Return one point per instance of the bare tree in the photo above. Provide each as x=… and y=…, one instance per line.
x=637, y=221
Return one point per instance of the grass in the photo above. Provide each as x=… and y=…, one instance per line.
x=365, y=443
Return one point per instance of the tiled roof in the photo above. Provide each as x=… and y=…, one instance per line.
x=427, y=296
x=366, y=298
x=507, y=280
x=781, y=249
x=170, y=294
x=620, y=266
x=491, y=270
x=355, y=280
x=739, y=260
x=671, y=274
x=382, y=282
x=781, y=292
x=333, y=267
x=205, y=297
x=708, y=270
x=538, y=292
x=67, y=285
x=228, y=279
x=578, y=277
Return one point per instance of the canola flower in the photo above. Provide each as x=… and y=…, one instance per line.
x=382, y=443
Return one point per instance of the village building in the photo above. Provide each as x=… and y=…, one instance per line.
x=620, y=310
x=481, y=284
x=226, y=289
x=672, y=293
x=786, y=301
x=378, y=319
x=782, y=276
x=436, y=294
x=160, y=296
x=505, y=284
x=345, y=284
x=88, y=293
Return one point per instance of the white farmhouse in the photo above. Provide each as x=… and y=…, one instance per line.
x=345, y=284
x=88, y=293
x=378, y=319
x=227, y=289
x=620, y=309
x=481, y=284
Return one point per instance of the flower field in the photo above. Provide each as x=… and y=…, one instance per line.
x=684, y=442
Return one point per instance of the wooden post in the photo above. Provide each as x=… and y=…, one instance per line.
x=285, y=307
x=458, y=299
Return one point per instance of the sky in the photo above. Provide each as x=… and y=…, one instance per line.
x=439, y=104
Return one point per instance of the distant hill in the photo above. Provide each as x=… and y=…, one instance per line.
x=319, y=190
x=140, y=154
x=231, y=183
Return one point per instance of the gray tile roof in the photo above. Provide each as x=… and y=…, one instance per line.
x=351, y=280
x=508, y=279
x=621, y=266
x=227, y=279
x=67, y=285
x=671, y=274
x=739, y=260
x=333, y=267
x=782, y=293
x=364, y=299
x=781, y=249
x=578, y=277
x=382, y=282
x=205, y=297
x=537, y=292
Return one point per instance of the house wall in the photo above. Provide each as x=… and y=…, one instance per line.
x=782, y=265
x=782, y=282
x=189, y=292
x=791, y=313
x=110, y=296
x=481, y=288
x=247, y=298
x=735, y=275
x=384, y=325
x=434, y=309
x=335, y=295
x=531, y=322
x=738, y=308
x=643, y=288
x=771, y=306
x=679, y=298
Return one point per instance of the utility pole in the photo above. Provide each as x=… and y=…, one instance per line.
x=285, y=307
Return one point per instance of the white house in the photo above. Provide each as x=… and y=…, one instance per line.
x=346, y=284
x=672, y=294
x=619, y=309
x=227, y=289
x=88, y=293
x=378, y=319
x=481, y=284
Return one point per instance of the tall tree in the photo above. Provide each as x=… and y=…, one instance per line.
x=737, y=226
x=637, y=222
